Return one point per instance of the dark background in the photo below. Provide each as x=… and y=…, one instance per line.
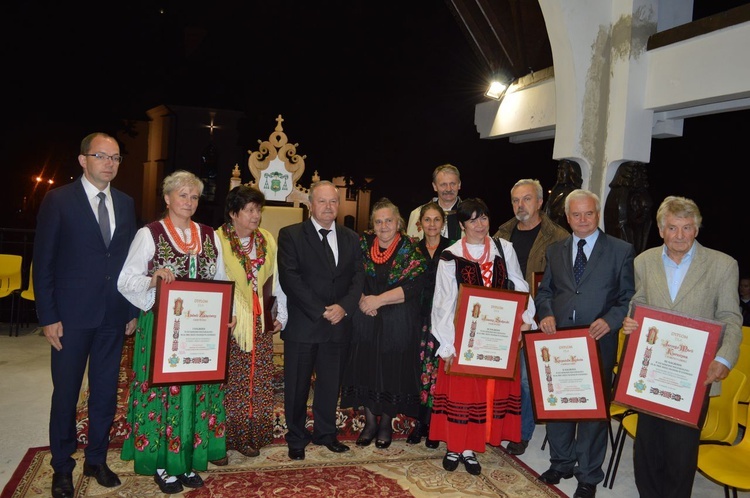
x=368, y=89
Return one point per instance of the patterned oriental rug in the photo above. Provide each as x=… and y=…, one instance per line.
x=349, y=421
x=400, y=471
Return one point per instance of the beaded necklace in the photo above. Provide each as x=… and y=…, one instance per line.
x=381, y=257
x=243, y=252
x=485, y=254
x=429, y=247
x=485, y=264
x=191, y=247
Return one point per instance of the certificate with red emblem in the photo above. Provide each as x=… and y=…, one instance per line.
x=488, y=330
x=664, y=364
x=191, y=332
x=565, y=375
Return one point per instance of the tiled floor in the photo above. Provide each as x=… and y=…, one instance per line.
x=26, y=389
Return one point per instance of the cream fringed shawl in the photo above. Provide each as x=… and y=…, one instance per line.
x=243, y=289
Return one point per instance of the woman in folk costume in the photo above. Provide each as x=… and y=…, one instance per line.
x=382, y=372
x=250, y=261
x=468, y=412
x=431, y=220
x=173, y=431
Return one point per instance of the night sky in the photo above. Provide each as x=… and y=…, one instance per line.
x=382, y=89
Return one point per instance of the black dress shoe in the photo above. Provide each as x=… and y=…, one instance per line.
x=62, y=485
x=471, y=464
x=168, y=488
x=190, y=481
x=450, y=461
x=382, y=443
x=585, y=490
x=297, y=454
x=336, y=447
x=431, y=443
x=553, y=476
x=517, y=448
x=364, y=441
x=415, y=436
x=103, y=475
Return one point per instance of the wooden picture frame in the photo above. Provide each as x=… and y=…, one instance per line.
x=190, y=339
x=665, y=362
x=488, y=330
x=536, y=279
x=565, y=376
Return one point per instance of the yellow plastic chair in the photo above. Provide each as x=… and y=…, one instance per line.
x=628, y=419
x=722, y=423
x=628, y=424
x=745, y=335
x=10, y=282
x=728, y=466
x=743, y=365
x=26, y=295
x=720, y=427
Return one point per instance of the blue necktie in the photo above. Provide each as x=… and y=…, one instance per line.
x=580, y=263
x=104, y=218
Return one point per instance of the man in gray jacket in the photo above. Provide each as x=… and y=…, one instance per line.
x=530, y=231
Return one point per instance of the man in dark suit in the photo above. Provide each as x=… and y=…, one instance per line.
x=598, y=299
x=321, y=296
x=76, y=264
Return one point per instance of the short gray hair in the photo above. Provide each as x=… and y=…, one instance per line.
x=529, y=181
x=681, y=207
x=580, y=193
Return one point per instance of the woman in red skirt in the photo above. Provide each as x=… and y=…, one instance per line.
x=469, y=412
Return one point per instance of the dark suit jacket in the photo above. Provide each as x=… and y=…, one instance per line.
x=75, y=274
x=604, y=291
x=311, y=284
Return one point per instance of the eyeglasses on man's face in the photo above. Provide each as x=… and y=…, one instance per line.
x=103, y=157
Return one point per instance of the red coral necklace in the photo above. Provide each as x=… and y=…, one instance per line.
x=185, y=247
x=485, y=254
x=381, y=257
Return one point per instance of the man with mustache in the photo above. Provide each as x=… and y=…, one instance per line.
x=446, y=181
x=530, y=231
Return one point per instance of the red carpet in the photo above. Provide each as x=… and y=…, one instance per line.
x=399, y=471
x=402, y=470
x=349, y=421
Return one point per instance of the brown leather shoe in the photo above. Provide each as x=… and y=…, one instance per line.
x=221, y=462
x=249, y=451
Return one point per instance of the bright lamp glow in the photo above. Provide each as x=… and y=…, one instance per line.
x=496, y=90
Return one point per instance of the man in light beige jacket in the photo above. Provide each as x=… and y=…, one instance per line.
x=685, y=277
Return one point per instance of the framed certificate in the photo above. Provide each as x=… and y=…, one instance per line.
x=664, y=364
x=488, y=329
x=191, y=333
x=565, y=376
